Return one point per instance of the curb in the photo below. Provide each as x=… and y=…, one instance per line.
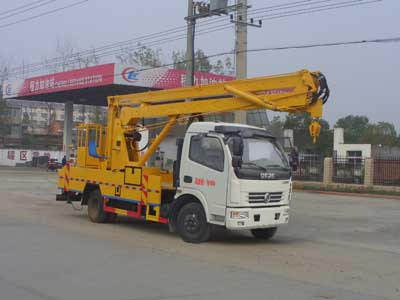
x=361, y=195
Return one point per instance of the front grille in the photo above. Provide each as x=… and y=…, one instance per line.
x=260, y=197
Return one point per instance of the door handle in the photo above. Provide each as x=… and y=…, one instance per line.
x=188, y=179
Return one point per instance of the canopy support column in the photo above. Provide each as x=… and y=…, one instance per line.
x=68, y=126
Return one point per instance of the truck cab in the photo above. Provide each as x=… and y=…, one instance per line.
x=240, y=176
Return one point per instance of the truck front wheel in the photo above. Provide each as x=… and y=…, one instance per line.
x=192, y=223
x=95, y=207
x=264, y=233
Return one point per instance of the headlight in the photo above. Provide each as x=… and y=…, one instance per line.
x=239, y=214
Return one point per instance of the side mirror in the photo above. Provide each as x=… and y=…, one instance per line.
x=294, y=159
x=237, y=146
x=236, y=161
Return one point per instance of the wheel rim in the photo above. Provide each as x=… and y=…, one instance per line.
x=191, y=223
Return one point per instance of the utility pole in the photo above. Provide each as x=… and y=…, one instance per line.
x=241, y=51
x=198, y=10
x=191, y=22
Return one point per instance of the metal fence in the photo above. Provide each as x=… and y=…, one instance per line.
x=310, y=168
x=387, y=171
x=348, y=170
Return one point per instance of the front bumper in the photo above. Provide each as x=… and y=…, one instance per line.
x=263, y=217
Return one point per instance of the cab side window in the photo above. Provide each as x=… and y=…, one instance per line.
x=207, y=151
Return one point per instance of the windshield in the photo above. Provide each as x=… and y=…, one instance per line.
x=263, y=153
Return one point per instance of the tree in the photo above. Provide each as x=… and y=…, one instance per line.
x=85, y=61
x=229, y=69
x=299, y=123
x=179, y=59
x=218, y=68
x=324, y=145
x=358, y=130
x=99, y=115
x=144, y=56
x=51, y=116
x=202, y=63
x=223, y=67
x=82, y=113
x=4, y=110
x=69, y=58
x=27, y=123
x=381, y=133
x=276, y=126
x=4, y=116
x=354, y=127
x=65, y=51
x=27, y=140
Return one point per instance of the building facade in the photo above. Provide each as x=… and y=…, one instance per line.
x=41, y=118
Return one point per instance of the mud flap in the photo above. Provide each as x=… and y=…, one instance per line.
x=61, y=197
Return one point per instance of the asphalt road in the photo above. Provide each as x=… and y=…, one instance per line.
x=334, y=248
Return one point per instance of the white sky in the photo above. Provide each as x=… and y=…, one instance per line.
x=363, y=78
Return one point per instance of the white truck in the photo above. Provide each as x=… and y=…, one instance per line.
x=240, y=175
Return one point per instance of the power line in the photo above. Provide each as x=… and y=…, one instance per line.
x=293, y=13
x=344, y=43
x=305, y=2
x=300, y=46
x=297, y=12
x=173, y=30
x=279, y=48
x=20, y=7
x=163, y=33
x=209, y=22
x=123, y=43
x=288, y=6
x=108, y=50
x=44, y=14
x=111, y=46
x=321, y=8
x=27, y=9
x=151, y=36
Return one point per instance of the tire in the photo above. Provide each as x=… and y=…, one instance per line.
x=264, y=233
x=95, y=208
x=192, y=224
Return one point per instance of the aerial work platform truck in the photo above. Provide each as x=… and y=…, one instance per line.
x=225, y=174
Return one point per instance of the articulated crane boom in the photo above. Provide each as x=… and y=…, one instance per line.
x=303, y=91
x=226, y=174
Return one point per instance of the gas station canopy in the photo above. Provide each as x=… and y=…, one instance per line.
x=92, y=85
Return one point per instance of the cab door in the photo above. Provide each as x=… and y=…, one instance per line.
x=204, y=170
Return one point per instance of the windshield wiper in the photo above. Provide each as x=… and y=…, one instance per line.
x=278, y=166
x=254, y=165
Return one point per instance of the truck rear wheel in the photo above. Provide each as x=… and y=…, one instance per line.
x=192, y=223
x=95, y=207
x=264, y=233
